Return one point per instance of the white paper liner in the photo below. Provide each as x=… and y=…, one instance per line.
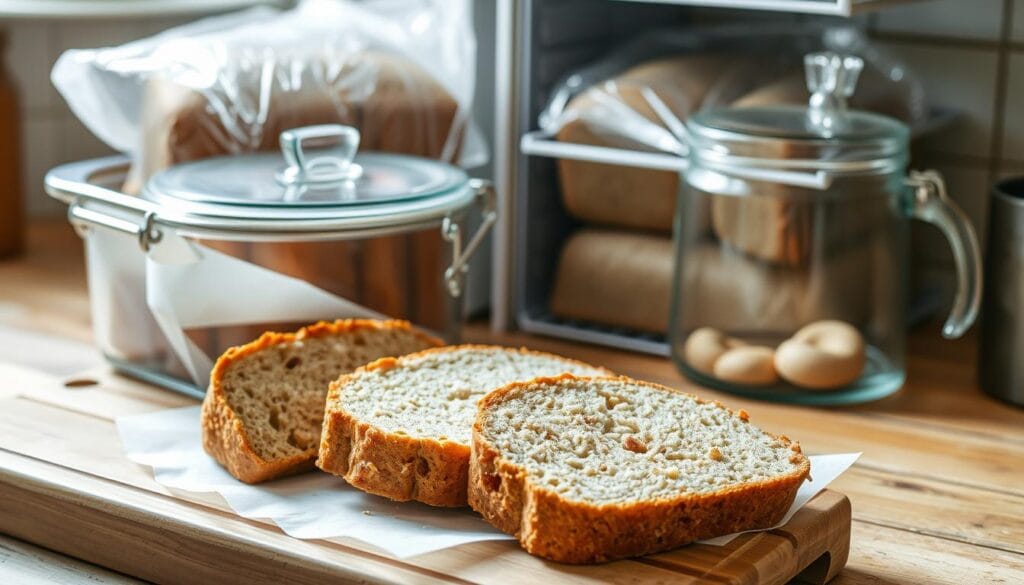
x=318, y=505
x=824, y=469
x=312, y=505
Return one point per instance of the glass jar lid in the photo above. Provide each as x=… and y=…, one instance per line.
x=824, y=135
x=317, y=175
x=254, y=180
x=795, y=123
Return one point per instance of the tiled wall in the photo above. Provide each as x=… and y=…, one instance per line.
x=50, y=132
x=969, y=55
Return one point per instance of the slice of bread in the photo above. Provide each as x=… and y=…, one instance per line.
x=264, y=408
x=400, y=428
x=586, y=470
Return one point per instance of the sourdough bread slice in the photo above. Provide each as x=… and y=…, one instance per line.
x=400, y=428
x=585, y=470
x=264, y=408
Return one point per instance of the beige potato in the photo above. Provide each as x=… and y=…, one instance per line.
x=822, y=356
x=705, y=346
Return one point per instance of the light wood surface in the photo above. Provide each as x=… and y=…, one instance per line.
x=937, y=497
x=68, y=487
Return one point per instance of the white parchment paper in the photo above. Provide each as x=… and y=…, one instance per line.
x=311, y=505
x=318, y=505
x=824, y=469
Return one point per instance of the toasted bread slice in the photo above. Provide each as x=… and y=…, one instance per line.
x=264, y=408
x=585, y=470
x=400, y=428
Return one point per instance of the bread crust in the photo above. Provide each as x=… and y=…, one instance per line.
x=393, y=465
x=224, y=434
x=551, y=526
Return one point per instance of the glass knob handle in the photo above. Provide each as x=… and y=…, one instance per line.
x=320, y=154
x=831, y=79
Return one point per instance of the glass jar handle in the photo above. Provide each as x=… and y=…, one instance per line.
x=930, y=203
x=320, y=154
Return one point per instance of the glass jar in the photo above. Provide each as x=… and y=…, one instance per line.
x=216, y=251
x=791, y=263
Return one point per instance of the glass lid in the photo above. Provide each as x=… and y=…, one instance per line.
x=824, y=131
x=795, y=123
x=317, y=167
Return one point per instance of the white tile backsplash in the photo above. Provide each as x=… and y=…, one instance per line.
x=1013, y=113
x=151, y=27
x=29, y=59
x=41, y=149
x=960, y=78
x=973, y=19
x=78, y=143
x=1010, y=170
x=1017, y=29
x=98, y=33
x=968, y=187
x=50, y=132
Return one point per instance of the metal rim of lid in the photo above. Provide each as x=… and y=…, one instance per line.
x=75, y=184
x=205, y=185
x=210, y=213
x=323, y=222
x=265, y=192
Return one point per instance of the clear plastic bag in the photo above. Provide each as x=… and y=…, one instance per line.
x=640, y=95
x=401, y=71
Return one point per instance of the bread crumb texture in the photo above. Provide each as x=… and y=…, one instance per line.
x=263, y=413
x=434, y=394
x=604, y=441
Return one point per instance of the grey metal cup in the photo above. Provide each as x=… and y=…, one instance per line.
x=1001, y=353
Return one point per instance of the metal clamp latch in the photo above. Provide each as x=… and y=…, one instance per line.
x=455, y=275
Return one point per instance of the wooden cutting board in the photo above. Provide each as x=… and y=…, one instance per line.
x=66, y=486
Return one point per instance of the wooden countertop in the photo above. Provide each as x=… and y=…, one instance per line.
x=938, y=495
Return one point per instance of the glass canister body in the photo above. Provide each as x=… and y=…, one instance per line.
x=791, y=248
x=216, y=251
x=759, y=260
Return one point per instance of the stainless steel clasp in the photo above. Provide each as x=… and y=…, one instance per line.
x=455, y=275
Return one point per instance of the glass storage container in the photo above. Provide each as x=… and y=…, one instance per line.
x=216, y=251
x=792, y=244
